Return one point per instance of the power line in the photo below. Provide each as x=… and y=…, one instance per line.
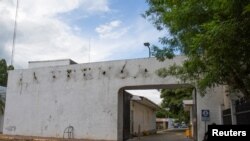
x=14, y=35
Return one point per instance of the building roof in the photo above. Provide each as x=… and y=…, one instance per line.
x=161, y=119
x=144, y=101
x=187, y=104
x=56, y=60
x=50, y=63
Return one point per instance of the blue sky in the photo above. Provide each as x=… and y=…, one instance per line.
x=82, y=30
x=76, y=29
x=128, y=11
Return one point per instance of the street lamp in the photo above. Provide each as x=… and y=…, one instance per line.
x=147, y=44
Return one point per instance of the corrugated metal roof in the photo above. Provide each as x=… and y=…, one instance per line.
x=145, y=101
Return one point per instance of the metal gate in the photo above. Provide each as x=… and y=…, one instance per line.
x=243, y=111
x=227, y=118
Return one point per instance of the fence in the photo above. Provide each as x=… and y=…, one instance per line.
x=242, y=111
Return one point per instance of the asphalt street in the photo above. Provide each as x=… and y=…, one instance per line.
x=167, y=135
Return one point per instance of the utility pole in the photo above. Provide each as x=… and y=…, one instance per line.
x=14, y=35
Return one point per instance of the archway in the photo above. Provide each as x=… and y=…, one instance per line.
x=124, y=128
x=79, y=95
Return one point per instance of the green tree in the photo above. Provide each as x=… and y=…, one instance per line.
x=213, y=34
x=173, y=100
x=3, y=79
x=3, y=72
x=2, y=105
x=161, y=113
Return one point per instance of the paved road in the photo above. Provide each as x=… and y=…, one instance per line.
x=172, y=135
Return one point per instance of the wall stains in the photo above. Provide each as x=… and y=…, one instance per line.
x=103, y=73
x=53, y=74
x=11, y=128
x=50, y=118
x=20, y=79
x=87, y=73
x=123, y=67
x=34, y=76
x=142, y=72
x=145, y=73
x=69, y=73
x=20, y=83
x=123, y=74
x=46, y=127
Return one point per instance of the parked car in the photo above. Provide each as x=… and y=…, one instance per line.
x=183, y=125
x=176, y=125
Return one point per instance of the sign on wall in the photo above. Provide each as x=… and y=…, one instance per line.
x=205, y=115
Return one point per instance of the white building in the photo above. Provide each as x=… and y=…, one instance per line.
x=162, y=123
x=47, y=98
x=143, y=116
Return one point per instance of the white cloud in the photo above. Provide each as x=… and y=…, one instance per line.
x=53, y=7
x=130, y=43
x=96, y=5
x=112, y=30
x=40, y=34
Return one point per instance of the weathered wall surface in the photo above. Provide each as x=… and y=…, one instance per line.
x=213, y=102
x=44, y=101
x=144, y=117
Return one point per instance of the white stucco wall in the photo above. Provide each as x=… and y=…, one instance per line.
x=212, y=101
x=144, y=117
x=44, y=101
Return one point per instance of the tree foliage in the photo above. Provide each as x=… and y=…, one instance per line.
x=173, y=100
x=3, y=79
x=4, y=72
x=161, y=113
x=213, y=34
